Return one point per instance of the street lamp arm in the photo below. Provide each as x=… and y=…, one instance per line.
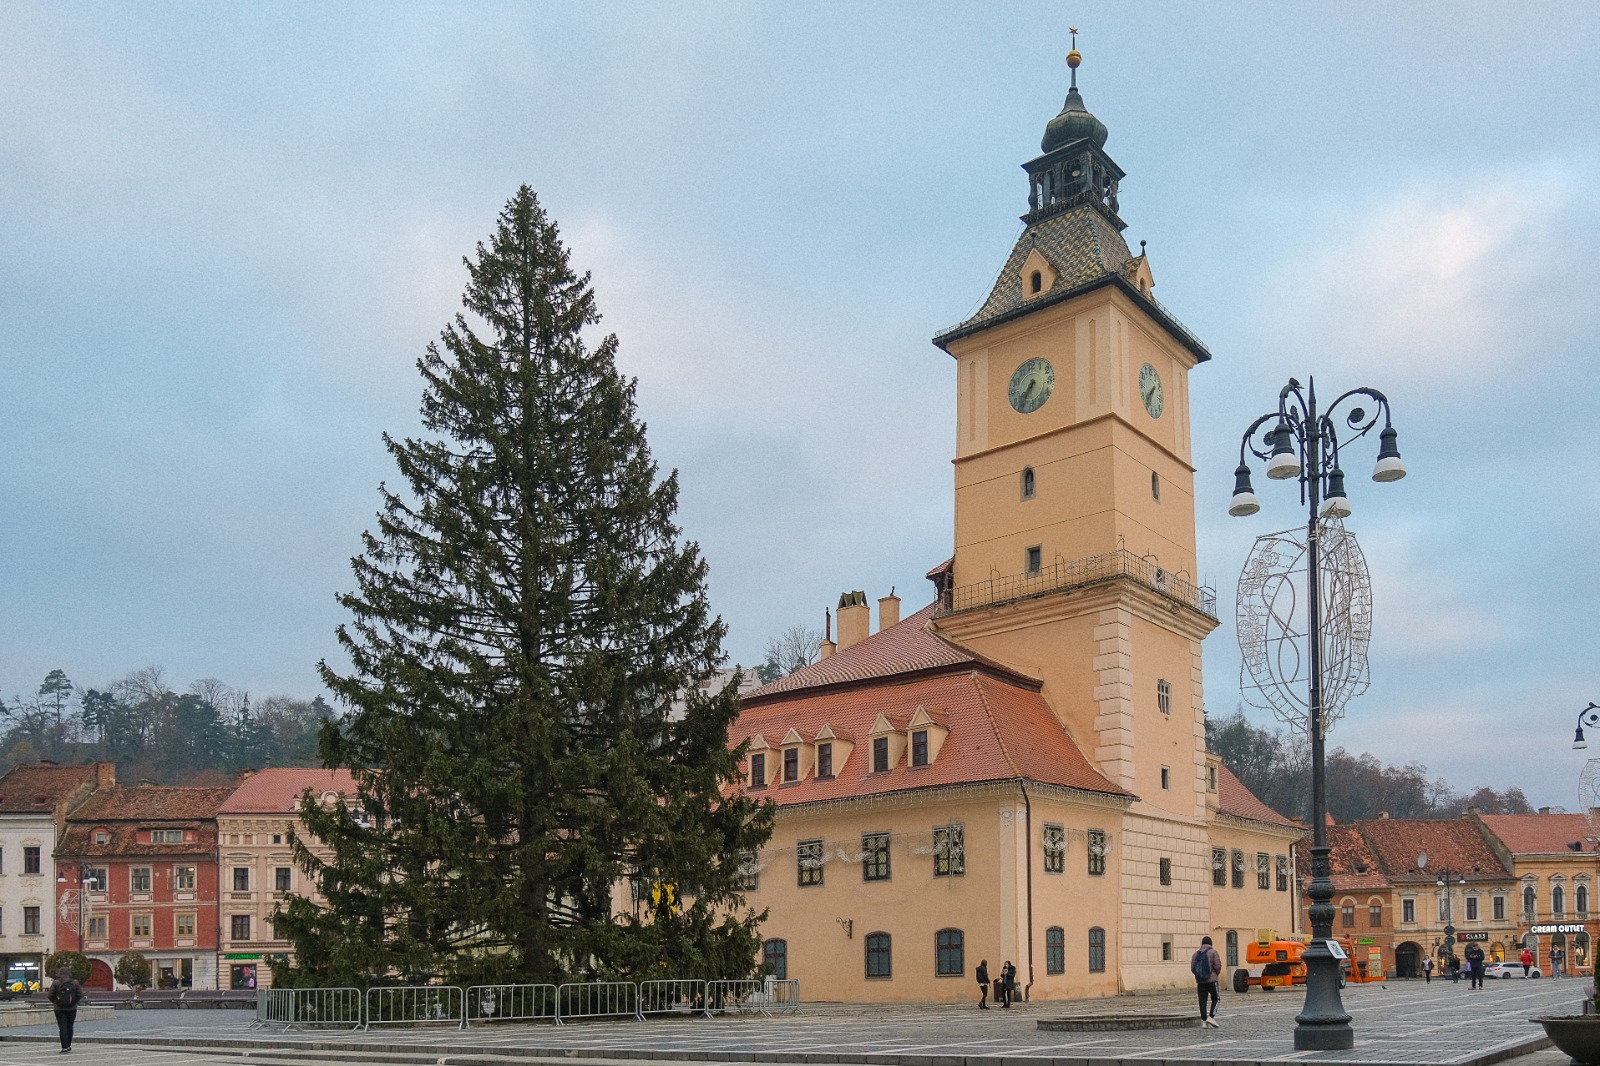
x=1358, y=418
x=1589, y=716
x=1247, y=445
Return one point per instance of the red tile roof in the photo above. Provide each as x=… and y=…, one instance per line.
x=1233, y=798
x=123, y=811
x=1544, y=834
x=30, y=789
x=1355, y=868
x=909, y=646
x=999, y=731
x=277, y=790
x=1450, y=844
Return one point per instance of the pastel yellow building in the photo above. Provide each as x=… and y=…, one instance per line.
x=1018, y=771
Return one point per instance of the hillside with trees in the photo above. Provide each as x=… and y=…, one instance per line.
x=203, y=735
x=1276, y=766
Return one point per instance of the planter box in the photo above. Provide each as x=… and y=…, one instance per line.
x=1578, y=1035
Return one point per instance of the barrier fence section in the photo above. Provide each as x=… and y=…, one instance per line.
x=416, y=1005
x=597, y=999
x=759, y=996
x=511, y=1003
x=671, y=997
x=295, y=1008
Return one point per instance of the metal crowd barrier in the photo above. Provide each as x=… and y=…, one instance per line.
x=671, y=997
x=758, y=996
x=296, y=1008
x=597, y=999
x=416, y=1005
x=511, y=1003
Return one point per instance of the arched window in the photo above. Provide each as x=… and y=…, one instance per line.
x=1097, y=949
x=1233, y=948
x=878, y=958
x=775, y=958
x=1583, y=899
x=1558, y=901
x=1055, y=950
x=949, y=953
x=1035, y=281
x=1531, y=942
x=1527, y=901
x=1028, y=483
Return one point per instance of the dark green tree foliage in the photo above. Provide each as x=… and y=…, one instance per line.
x=523, y=618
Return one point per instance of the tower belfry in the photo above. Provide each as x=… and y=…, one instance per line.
x=1073, y=168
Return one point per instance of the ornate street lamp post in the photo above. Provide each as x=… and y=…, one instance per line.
x=1589, y=716
x=1301, y=442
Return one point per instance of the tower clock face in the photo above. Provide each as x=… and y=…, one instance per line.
x=1150, y=390
x=1031, y=385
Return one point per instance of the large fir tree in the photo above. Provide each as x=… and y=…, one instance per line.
x=524, y=617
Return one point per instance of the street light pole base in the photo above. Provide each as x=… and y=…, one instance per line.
x=1324, y=1037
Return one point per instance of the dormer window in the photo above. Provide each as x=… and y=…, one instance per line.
x=1036, y=282
x=880, y=755
x=102, y=837
x=758, y=770
x=1029, y=485
x=919, y=748
x=824, y=760
x=791, y=764
x=166, y=836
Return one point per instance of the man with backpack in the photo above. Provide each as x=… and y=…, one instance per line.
x=1207, y=967
x=64, y=996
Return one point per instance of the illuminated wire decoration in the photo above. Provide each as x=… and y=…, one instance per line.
x=1589, y=790
x=1272, y=624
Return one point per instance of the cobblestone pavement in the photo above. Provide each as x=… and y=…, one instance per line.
x=1403, y=1022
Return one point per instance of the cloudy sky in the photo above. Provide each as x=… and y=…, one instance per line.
x=227, y=231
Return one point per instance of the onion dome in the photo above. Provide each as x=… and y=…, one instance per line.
x=1075, y=123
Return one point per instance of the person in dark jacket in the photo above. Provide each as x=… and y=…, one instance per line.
x=1008, y=983
x=983, y=985
x=1475, y=965
x=64, y=996
x=1206, y=967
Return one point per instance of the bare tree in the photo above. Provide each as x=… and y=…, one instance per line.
x=794, y=648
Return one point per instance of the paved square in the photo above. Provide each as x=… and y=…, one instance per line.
x=1404, y=1022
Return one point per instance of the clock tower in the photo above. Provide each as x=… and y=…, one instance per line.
x=1074, y=490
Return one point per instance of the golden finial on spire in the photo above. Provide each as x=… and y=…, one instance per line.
x=1073, y=57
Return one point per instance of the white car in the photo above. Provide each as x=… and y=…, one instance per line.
x=1507, y=970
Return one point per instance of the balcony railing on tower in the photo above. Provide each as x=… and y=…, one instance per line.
x=1078, y=573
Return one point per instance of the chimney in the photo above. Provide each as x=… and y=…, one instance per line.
x=1383, y=815
x=827, y=647
x=855, y=619
x=888, y=610
x=105, y=775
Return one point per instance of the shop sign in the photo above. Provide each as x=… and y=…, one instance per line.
x=1563, y=927
x=1464, y=937
x=242, y=958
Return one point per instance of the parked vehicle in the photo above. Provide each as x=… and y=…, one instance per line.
x=1509, y=969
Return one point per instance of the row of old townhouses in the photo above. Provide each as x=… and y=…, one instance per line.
x=1417, y=888
x=188, y=877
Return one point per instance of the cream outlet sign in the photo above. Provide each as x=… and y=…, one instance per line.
x=1566, y=927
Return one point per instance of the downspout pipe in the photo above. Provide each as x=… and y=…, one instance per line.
x=1027, y=852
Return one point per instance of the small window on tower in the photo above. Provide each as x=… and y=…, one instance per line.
x=1028, y=483
x=1155, y=486
x=1166, y=777
x=1035, y=559
x=1035, y=282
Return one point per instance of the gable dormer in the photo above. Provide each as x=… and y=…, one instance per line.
x=796, y=756
x=925, y=735
x=760, y=762
x=1037, y=276
x=832, y=751
x=886, y=745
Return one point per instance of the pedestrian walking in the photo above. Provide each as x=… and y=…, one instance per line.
x=1453, y=964
x=1206, y=966
x=1558, y=960
x=65, y=993
x=983, y=985
x=1008, y=983
x=1475, y=965
x=1427, y=970
x=1527, y=961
